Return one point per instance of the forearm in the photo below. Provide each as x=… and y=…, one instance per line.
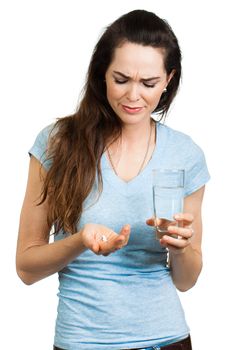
x=185, y=268
x=42, y=260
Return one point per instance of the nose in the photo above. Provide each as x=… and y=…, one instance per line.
x=133, y=93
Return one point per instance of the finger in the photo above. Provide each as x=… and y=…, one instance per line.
x=174, y=249
x=124, y=234
x=174, y=242
x=150, y=222
x=185, y=232
x=113, y=250
x=184, y=219
x=125, y=231
x=116, y=242
x=154, y=222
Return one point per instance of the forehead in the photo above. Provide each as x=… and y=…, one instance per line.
x=145, y=60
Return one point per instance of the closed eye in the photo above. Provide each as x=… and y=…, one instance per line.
x=119, y=81
x=149, y=85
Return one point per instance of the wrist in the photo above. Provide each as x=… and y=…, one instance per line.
x=82, y=236
x=87, y=234
x=180, y=252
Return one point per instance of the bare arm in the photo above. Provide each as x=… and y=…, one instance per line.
x=185, y=253
x=36, y=258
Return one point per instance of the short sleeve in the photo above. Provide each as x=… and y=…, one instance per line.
x=39, y=147
x=196, y=174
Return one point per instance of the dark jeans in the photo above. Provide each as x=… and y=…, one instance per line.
x=184, y=344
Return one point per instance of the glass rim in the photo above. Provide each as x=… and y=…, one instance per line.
x=170, y=174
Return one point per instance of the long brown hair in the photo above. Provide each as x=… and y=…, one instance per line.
x=78, y=141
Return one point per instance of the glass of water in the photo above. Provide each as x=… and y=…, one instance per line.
x=168, y=194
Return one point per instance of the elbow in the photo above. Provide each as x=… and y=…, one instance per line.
x=25, y=277
x=185, y=288
x=22, y=272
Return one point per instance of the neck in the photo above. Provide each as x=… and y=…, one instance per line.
x=129, y=155
x=136, y=134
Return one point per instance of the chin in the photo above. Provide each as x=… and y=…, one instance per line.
x=133, y=119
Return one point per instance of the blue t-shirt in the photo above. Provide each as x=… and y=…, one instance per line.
x=127, y=299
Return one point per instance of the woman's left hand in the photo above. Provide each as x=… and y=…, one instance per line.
x=183, y=231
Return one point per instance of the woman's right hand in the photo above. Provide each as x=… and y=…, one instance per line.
x=104, y=241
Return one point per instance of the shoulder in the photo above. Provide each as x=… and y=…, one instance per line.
x=178, y=150
x=178, y=141
x=173, y=135
x=43, y=135
x=39, y=148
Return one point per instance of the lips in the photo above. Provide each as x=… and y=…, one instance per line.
x=132, y=110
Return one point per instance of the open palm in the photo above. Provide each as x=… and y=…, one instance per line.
x=103, y=240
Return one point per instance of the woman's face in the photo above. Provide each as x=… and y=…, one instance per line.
x=135, y=81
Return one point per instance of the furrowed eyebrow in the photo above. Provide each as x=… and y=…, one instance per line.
x=127, y=77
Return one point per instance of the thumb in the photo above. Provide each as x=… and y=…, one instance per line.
x=125, y=230
x=150, y=222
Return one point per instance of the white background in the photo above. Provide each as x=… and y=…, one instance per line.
x=45, y=51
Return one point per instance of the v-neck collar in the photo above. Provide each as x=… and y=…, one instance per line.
x=128, y=187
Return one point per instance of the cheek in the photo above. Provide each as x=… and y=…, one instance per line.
x=110, y=91
x=154, y=98
x=113, y=93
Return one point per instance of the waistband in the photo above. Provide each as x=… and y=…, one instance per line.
x=184, y=344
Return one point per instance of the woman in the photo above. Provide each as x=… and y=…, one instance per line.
x=90, y=178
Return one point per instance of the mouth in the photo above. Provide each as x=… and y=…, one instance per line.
x=132, y=110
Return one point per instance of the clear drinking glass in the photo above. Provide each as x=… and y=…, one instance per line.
x=168, y=194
